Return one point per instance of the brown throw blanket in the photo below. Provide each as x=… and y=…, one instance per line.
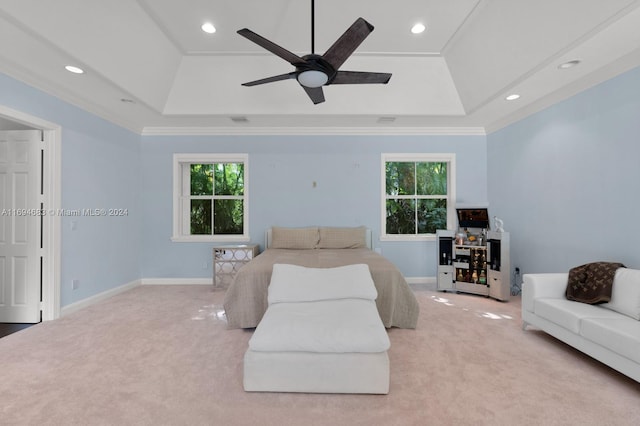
x=592, y=283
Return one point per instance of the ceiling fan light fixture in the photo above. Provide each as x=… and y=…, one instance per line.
x=313, y=78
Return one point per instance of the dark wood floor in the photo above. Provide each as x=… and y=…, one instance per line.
x=9, y=328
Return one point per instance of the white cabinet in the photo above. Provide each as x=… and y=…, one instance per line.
x=473, y=267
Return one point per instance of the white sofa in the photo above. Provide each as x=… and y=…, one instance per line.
x=608, y=332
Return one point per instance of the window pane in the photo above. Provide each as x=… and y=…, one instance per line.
x=400, y=178
x=200, y=217
x=202, y=179
x=431, y=178
x=432, y=215
x=228, y=217
x=229, y=178
x=401, y=217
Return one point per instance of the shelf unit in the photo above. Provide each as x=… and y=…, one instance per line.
x=474, y=268
x=227, y=261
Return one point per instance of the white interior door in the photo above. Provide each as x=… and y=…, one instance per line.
x=20, y=225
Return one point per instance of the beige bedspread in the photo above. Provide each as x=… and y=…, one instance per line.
x=245, y=301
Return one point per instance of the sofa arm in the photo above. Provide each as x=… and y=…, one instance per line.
x=535, y=286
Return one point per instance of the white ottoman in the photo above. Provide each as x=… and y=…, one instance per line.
x=333, y=341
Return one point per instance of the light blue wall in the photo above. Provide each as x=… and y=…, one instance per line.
x=282, y=169
x=106, y=166
x=566, y=180
x=100, y=169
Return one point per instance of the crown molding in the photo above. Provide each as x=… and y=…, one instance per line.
x=322, y=131
x=25, y=76
x=602, y=75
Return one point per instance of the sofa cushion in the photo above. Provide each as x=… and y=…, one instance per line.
x=536, y=286
x=625, y=296
x=620, y=335
x=568, y=314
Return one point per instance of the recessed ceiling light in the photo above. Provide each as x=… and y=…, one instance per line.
x=418, y=28
x=127, y=101
x=569, y=64
x=73, y=69
x=208, y=28
x=512, y=97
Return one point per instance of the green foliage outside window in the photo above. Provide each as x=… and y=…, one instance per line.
x=416, y=197
x=217, y=205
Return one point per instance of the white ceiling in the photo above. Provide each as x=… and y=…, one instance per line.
x=451, y=78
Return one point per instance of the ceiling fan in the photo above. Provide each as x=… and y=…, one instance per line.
x=314, y=71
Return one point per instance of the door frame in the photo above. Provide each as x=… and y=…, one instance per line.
x=51, y=231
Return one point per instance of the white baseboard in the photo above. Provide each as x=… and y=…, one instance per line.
x=416, y=283
x=76, y=306
x=177, y=281
x=422, y=283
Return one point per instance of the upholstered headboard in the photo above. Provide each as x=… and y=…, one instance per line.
x=319, y=237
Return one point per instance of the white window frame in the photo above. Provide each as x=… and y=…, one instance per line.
x=181, y=211
x=450, y=159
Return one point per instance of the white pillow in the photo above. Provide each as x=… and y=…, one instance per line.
x=625, y=294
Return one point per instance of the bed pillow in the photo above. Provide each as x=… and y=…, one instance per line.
x=342, y=238
x=625, y=295
x=294, y=238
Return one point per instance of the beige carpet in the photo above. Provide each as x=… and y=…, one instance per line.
x=159, y=355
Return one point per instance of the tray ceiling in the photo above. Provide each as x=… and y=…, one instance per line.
x=150, y=68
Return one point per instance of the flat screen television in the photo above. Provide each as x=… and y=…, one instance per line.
x=473, y=218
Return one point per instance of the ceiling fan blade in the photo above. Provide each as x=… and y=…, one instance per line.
x=292, y=58
x=315, y=93
x=348, y=43
x=358, y=77
x=271, y=79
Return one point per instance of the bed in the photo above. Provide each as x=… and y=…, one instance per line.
x=245, y=301
x=321, y=333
